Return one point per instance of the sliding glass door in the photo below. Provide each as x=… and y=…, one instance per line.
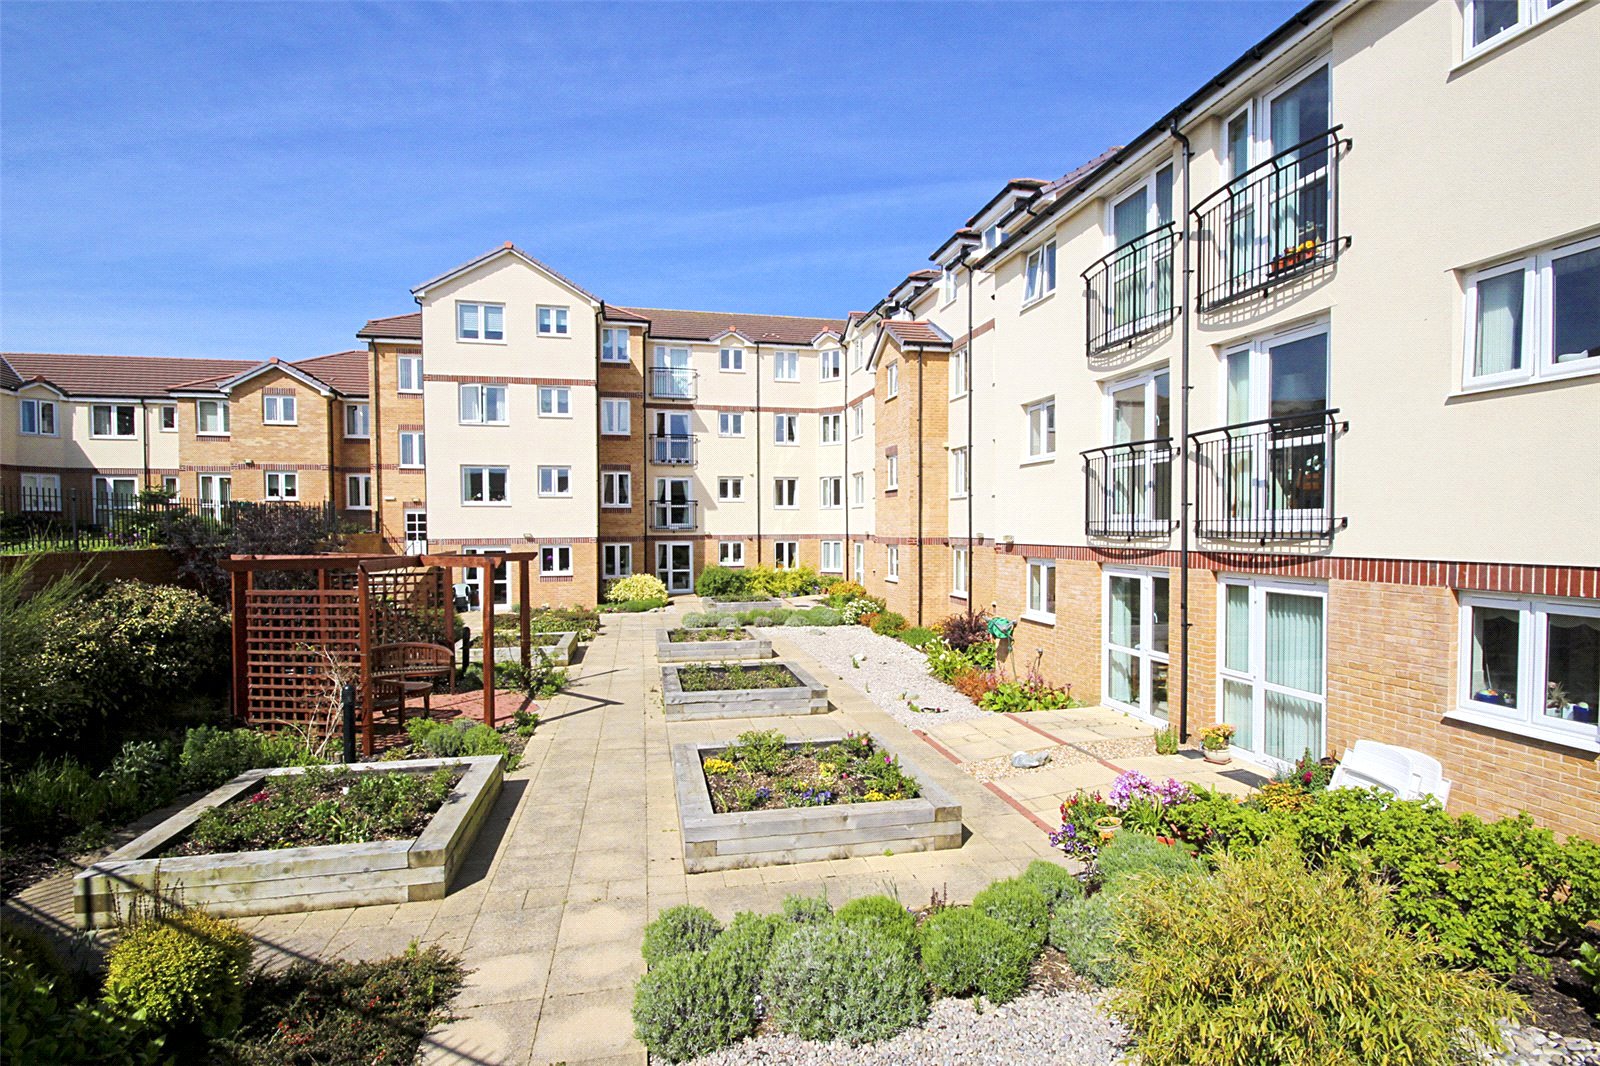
x=1272, y=667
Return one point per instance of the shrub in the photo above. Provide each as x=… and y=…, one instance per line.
x=839, y=982
x=962, y=631
x=820, y=616
x=880, y=914
x=1054, y=882
x=946, y=662
x=842, y=592
x=888, y=624
x=1085, y=931
x=636, y=587
x=1020, y=905
x=965, y=950
x=807, y=910
x=1129, y=855
x=678, y=931
x=917, y=636
x=856, y=610
x=542, y=677
x=1032, y=693
x=974, y=684
x=181, y=971
x=213, y=757
x=1258, y=962
x=722, y=581
x=699, y=620
x=1166, y=741
x=457, y=737
x=41, y=1021
x=698, y=1001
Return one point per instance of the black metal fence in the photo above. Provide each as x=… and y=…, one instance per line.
x=1277, y=221
x=43, y=520
x=1128, y=489
x=1268, y=480
x=672, y=449
x=1129, y=291
x=674, y=383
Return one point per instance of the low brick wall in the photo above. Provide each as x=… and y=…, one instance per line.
x=154, y=566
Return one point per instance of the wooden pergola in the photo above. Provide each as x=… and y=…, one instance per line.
x=291, y=634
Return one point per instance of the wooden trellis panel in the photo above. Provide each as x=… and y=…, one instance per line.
x=408, y=605
x=289, y=635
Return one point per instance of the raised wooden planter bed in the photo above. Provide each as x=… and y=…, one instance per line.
x=696, y=651
x=810, y=696
x=711, y=841
x=296, y=879
x=511, y=650
x=740, y=606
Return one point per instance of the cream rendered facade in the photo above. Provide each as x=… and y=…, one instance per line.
x=74, y=453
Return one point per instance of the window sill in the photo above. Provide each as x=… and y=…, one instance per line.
x=555, y=573
x=1038, y=460
x=1527, y=381
x=291, y=425
x=892, y=492
x=476, y=340
x=411, y=466
x=358, y=436
x=112, y=436
x=616, y=507
x=408, y=392
x=561, y=418
x=1036, y=301
x=958, y=396
x=1561, y=737
x=554, y=336
x=614, y=362
x=354, y=508
x=616, y=433
x=892, y=580
x=962, y=596
x=1039, y=618
x=486, y=503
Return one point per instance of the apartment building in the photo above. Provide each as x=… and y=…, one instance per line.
x=97, y=429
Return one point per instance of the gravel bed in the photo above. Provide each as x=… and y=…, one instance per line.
x=1063, y=1028
x=1543, y=1047
x=891, y=674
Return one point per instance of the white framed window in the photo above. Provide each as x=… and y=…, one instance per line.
x=1141, y=273
x=115, y=420
x=616, y=489
x=555, y=481
x=960, y=483
x=730, y=489
x=616, y=417
x=958, y=374
x=1488, y=23
x=216, y=492
x=856, y=356
x=37, y=418
x=993, y=237
x=552, y=321
x=833, y=428
x=412, y=453
x=1531, y=666
x=949, y=285
x=891, y=562
x=616, y=560
x=858, y=420
x=891, y=380
x=279, y=410
x=858, y=560
x=555, y=401
x=731, y=360
x=408, y=373
x=1534, y=318
x=614, y=349
x=1135, y=654
x=555, y=560
x=1041, y=428
x=786, y=429
x=832, y=557
x=891, y=472
x=785, y=366
x=499, y=579
x=785, y=492
x=357, y=421
x=169, y=484
x=730, y=552
x=858, y=490
x=1136, y=486
x=1041, y=591
x=484, y=405
x=832, y=364
x=958, y=572
x=169, y=418
x=1039, y=275
x=358, y=492
x=786, y=554
x=1272, y=666
x=484, y=485
x=730, y=423
x=480, y=322
x=41, y=492
x=283, y=485
x=832, y=493
x=211, y=418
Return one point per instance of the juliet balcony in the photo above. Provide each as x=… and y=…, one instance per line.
x=1129, y=291
x=673, y=449
x=673, y=514
x=1128, y=489
x=674, y=383
x=1271, y=480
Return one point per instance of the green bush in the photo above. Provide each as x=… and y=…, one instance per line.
x=817, y=616
x=1020, y=905
x=635, y=606
x=678, y=931
x=1128, y=855
x=1054, y=881
x=697, y=1000
x=1085, y=931
x=722, y=581
x=457, y=737
x=41, y=1022
x=541, y=679
x=880, y=914
x=183, y=972
x=946, y=662
x=965, y=950
x=636, y=587
x=213, y=757
x=767, y=581
x=830, y=981
x=806, y=910
x=888, y=624
x=1268, y=962
x=917, y=636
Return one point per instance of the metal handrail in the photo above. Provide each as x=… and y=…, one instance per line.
x=1269, y=479
x=661, y=448
x=1146, y=251
x=1104, y=492
x=678, y=373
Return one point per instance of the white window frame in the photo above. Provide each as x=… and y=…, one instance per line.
x=832, y=492
x=730, y=423
x=224, y=417
x=835, y=564
x=358, y=492
x=835, y=420
x=949, y=286
x=1145, y=654
x=891, y=563
x=278, y=410
x=891, y=380
x=786, y=430
x=1529, y=14
x=832, y=360
x=616, y=560
x=167, y=411
x=958, y=373
x=499, y=578
x=610, y=352
x=858, y=490
x=960, y=473
x=857, y=360
x=169, y=484
x=993, y=236
x=615, y=413
x=485, y=472
x=1533, y=632
x=559, y=397
x=730, y=490
x=891, y=472
x=858, y=559
x=408, y=374
x=557, y=323
x=1255, y=671
x=215, y=491
x=618, y=485
x=1039, y=274
x=785, y=554
x=858, y=420
x=1142, y=464
x=112, y=409
x=785, y=366
x=480, y=318
x=1047, y=433
x=1538, y=320
x=38, y=408
x=958, y=573
x=288, y=486
x=730, y=553
x=40, y=492
x=418, y=449
x=1043, y=613
x=483, y=392
x=730, y=360
x=786, y=488
x=360, y=414
x=555, y=560
x=553, y=476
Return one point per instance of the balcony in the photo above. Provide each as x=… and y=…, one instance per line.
x=1129, y=292
x=1271, y=480
x=1128, y=489
x=673, y=449
x=1276, y=222
x=673, y=514
x=674, y=383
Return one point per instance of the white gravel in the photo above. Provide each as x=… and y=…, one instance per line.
x=891, y=674
x=1040, y=1028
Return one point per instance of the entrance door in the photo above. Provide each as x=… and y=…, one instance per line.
x=216, y=491
x=1136, y=655
x=1273, y=668
x=416, y=533
x=112, y=495
x=675, y=565
x=473, y=578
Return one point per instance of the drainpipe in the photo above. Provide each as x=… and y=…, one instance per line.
x=756, y=420
x=922, y=549
x=644, y=444
x=375, y=441
x=1183, y=454
x=144, y=427
x=844, y=474
x=972, y=480
x=335, y=432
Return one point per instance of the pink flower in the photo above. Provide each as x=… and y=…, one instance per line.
x=260, y=797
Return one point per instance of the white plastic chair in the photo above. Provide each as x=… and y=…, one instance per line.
x=1373, y=768
x=1427, y=774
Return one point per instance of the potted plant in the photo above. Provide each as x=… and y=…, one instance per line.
x=1214, y=741
x=1107, y=826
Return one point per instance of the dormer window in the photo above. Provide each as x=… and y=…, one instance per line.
x=993, y=237
x=949, y=285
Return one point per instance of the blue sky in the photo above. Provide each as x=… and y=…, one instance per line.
x=258, y=179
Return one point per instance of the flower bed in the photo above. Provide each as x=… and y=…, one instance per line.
x=762, y=771
x=719, y=643
x=682, y=636
x=557, y=647
x=729, y=690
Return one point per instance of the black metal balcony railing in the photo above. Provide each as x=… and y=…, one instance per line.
x=673, y=514
x=1129, y=291
x=1276, y=221
x=673, y=383
x=673, y=449
x=1128, y=489
x=1268, y=480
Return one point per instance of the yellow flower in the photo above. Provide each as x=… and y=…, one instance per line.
x=874, y=797
x=716, y=767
